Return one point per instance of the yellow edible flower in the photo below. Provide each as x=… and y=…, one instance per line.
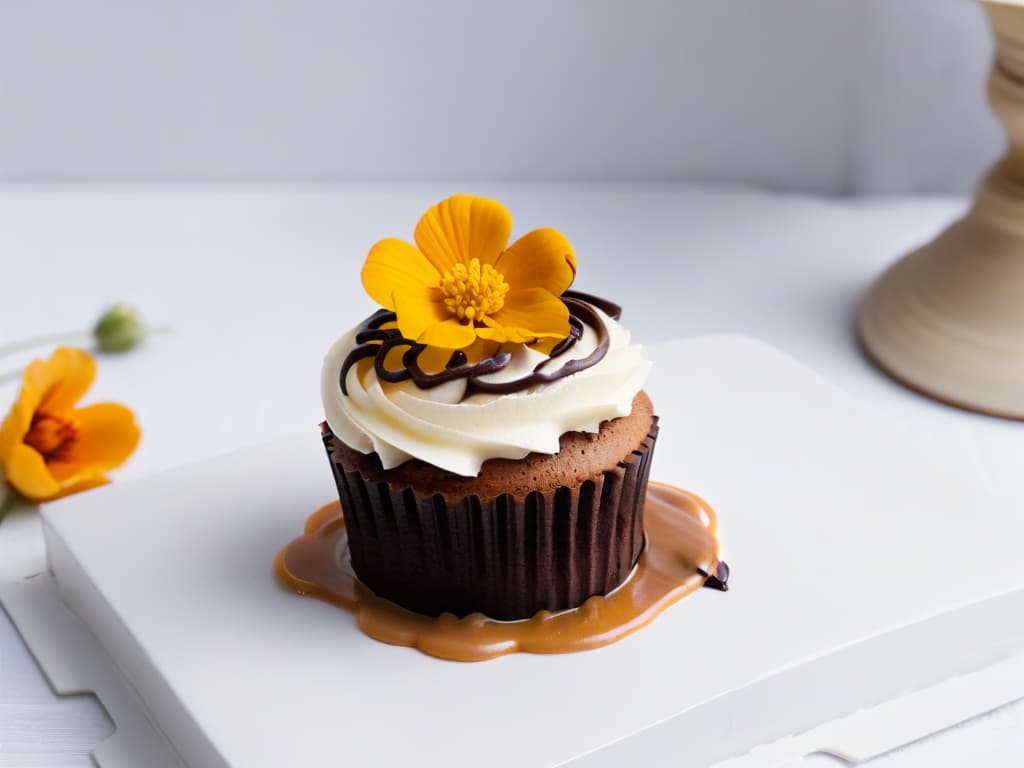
x=50, y=448
x=460, y=282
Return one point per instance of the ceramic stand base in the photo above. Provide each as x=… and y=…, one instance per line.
x=948, y=320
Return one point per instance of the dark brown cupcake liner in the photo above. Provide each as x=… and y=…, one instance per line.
x=507, y=557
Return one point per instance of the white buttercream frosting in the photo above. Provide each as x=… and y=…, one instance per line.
x=401, y=421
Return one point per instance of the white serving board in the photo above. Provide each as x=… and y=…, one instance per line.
x=850, y=543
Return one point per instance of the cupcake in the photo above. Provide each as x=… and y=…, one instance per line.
x=487, y=428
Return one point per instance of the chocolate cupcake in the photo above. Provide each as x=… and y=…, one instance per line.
x=487, y=430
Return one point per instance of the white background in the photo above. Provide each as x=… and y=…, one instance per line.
x=836, y=96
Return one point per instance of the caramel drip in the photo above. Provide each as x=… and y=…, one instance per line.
x=680, y=553
x=372, y=340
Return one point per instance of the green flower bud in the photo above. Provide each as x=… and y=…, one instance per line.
x=119, y=329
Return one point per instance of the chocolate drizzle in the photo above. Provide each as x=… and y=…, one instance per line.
x=610, y=308
x=373, y=340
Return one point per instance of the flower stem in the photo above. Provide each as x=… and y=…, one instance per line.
x=39, y=341
x=9, y=501
x=82, y=337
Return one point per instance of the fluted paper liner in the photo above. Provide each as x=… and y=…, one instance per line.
x=507, y=557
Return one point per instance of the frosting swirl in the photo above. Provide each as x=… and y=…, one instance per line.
x=506, y=406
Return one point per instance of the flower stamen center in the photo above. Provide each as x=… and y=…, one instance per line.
x=52, y=436
x=472, y=292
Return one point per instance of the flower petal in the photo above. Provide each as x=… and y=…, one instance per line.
x=501, y=335
x=27, y=472
x=81, y=482
x=73, y=478
x=461, y=228
x=395, y=266
x=62, y=380
x=481, y=348
x=107, y=436
x=546, y=346
x=419, y=310
x=542, y=258
x=434, y=359
x=450, y=334
x=531, y=313
x=18, y=421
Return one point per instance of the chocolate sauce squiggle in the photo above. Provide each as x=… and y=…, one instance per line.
x=374, y=341
x=610, y=308
x=580, y=312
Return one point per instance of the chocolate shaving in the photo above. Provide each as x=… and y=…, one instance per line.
x=377, y=342
x=720, y=580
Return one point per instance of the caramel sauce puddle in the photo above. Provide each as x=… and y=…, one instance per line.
x=680, y=553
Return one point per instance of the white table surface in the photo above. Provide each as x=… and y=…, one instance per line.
x=257, y=281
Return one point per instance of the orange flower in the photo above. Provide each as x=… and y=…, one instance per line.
x=460, y=282
x=48, y=447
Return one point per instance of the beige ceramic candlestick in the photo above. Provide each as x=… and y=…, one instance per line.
x=948, y=319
